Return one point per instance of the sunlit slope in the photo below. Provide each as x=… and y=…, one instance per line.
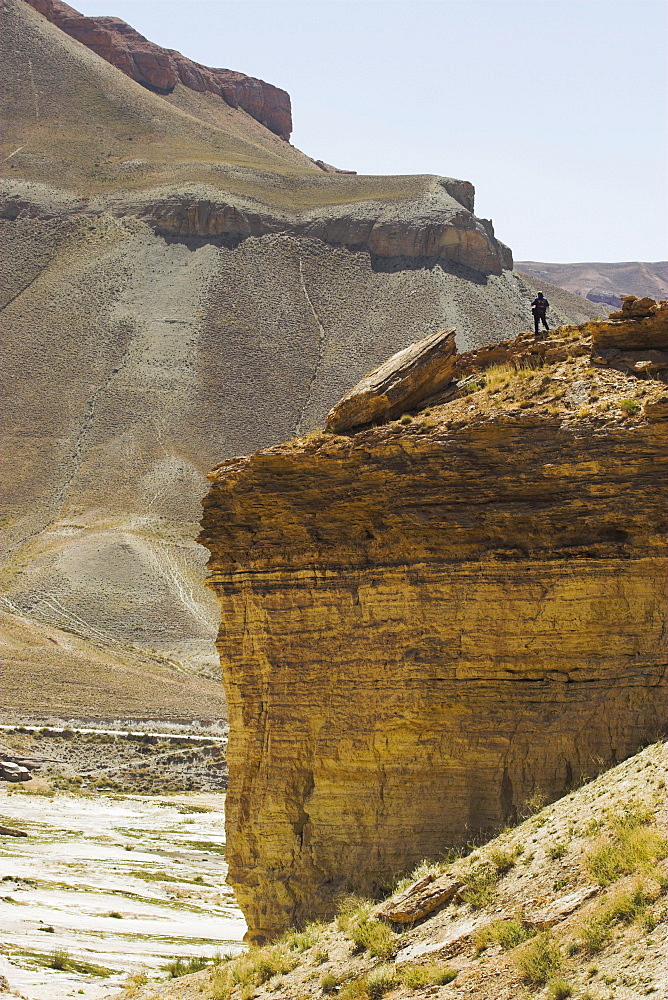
x=73, y=121
x=142, y=343
x=133, y=364
x=83, y=124
x=51, y=673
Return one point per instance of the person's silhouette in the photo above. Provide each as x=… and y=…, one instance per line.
x=539, y=307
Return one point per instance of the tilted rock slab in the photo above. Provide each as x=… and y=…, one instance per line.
x=398, y=384
x=420, y=899
x=422, y=628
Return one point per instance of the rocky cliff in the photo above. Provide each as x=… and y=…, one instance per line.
x=161, y=69
x=428, y=622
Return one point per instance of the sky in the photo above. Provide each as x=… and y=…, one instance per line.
x=556, y=110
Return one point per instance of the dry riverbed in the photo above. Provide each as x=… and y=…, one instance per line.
x=108, y=885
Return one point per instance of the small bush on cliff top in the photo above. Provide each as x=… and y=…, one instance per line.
x=629, y=406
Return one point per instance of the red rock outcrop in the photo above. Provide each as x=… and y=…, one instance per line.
x=161, y=69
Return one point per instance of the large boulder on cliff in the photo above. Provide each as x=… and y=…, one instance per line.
x=641, y=324
x=398, y=384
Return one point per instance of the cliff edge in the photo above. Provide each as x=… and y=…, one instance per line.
x=428, y=622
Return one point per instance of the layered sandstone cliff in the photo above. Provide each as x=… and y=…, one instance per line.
x=426, y=623
x=161, y=69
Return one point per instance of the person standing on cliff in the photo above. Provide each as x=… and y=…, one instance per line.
x=539, y=307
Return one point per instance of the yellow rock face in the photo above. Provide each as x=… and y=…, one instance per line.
x=422, y=627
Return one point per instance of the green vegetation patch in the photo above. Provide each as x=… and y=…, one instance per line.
x=629, y=406
x=506, y=933
x=184, y=966
x=630, y=906
x=61, y=960
x=429, y=974
x=367, y=933
x=634, y=846
x=539, y=960
x=386, y=977
x=252, y=969
x=204, y=845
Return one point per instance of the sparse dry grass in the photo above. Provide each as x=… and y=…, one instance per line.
x=367, y=933
x=539, y=960
x=632, y=845
x=625, y=907
x=506, y=933
x=429, y=974
x=251, y=970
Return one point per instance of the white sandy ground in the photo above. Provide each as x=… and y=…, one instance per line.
x=84, y=859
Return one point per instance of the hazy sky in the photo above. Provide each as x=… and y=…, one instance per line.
x=555, y=109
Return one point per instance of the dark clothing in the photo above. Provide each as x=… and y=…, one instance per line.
x=539, y=307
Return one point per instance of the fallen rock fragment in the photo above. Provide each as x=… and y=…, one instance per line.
x=419, y=899
x=399, y=384
x=641, y=324
x=9, y=771
x=453, y=942
x=657, y=410
x=559, y=909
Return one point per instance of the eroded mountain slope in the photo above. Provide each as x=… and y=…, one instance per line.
x=181, y=284
x=602, y=282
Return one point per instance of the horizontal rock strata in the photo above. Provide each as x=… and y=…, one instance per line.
x=161, y=69
x=640, y=324
x=430, y=227
x=422, y=627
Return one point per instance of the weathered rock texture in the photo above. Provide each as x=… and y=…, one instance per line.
x=640, y=324
x=398, y=384
x=161, y=69
x=425, y=624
